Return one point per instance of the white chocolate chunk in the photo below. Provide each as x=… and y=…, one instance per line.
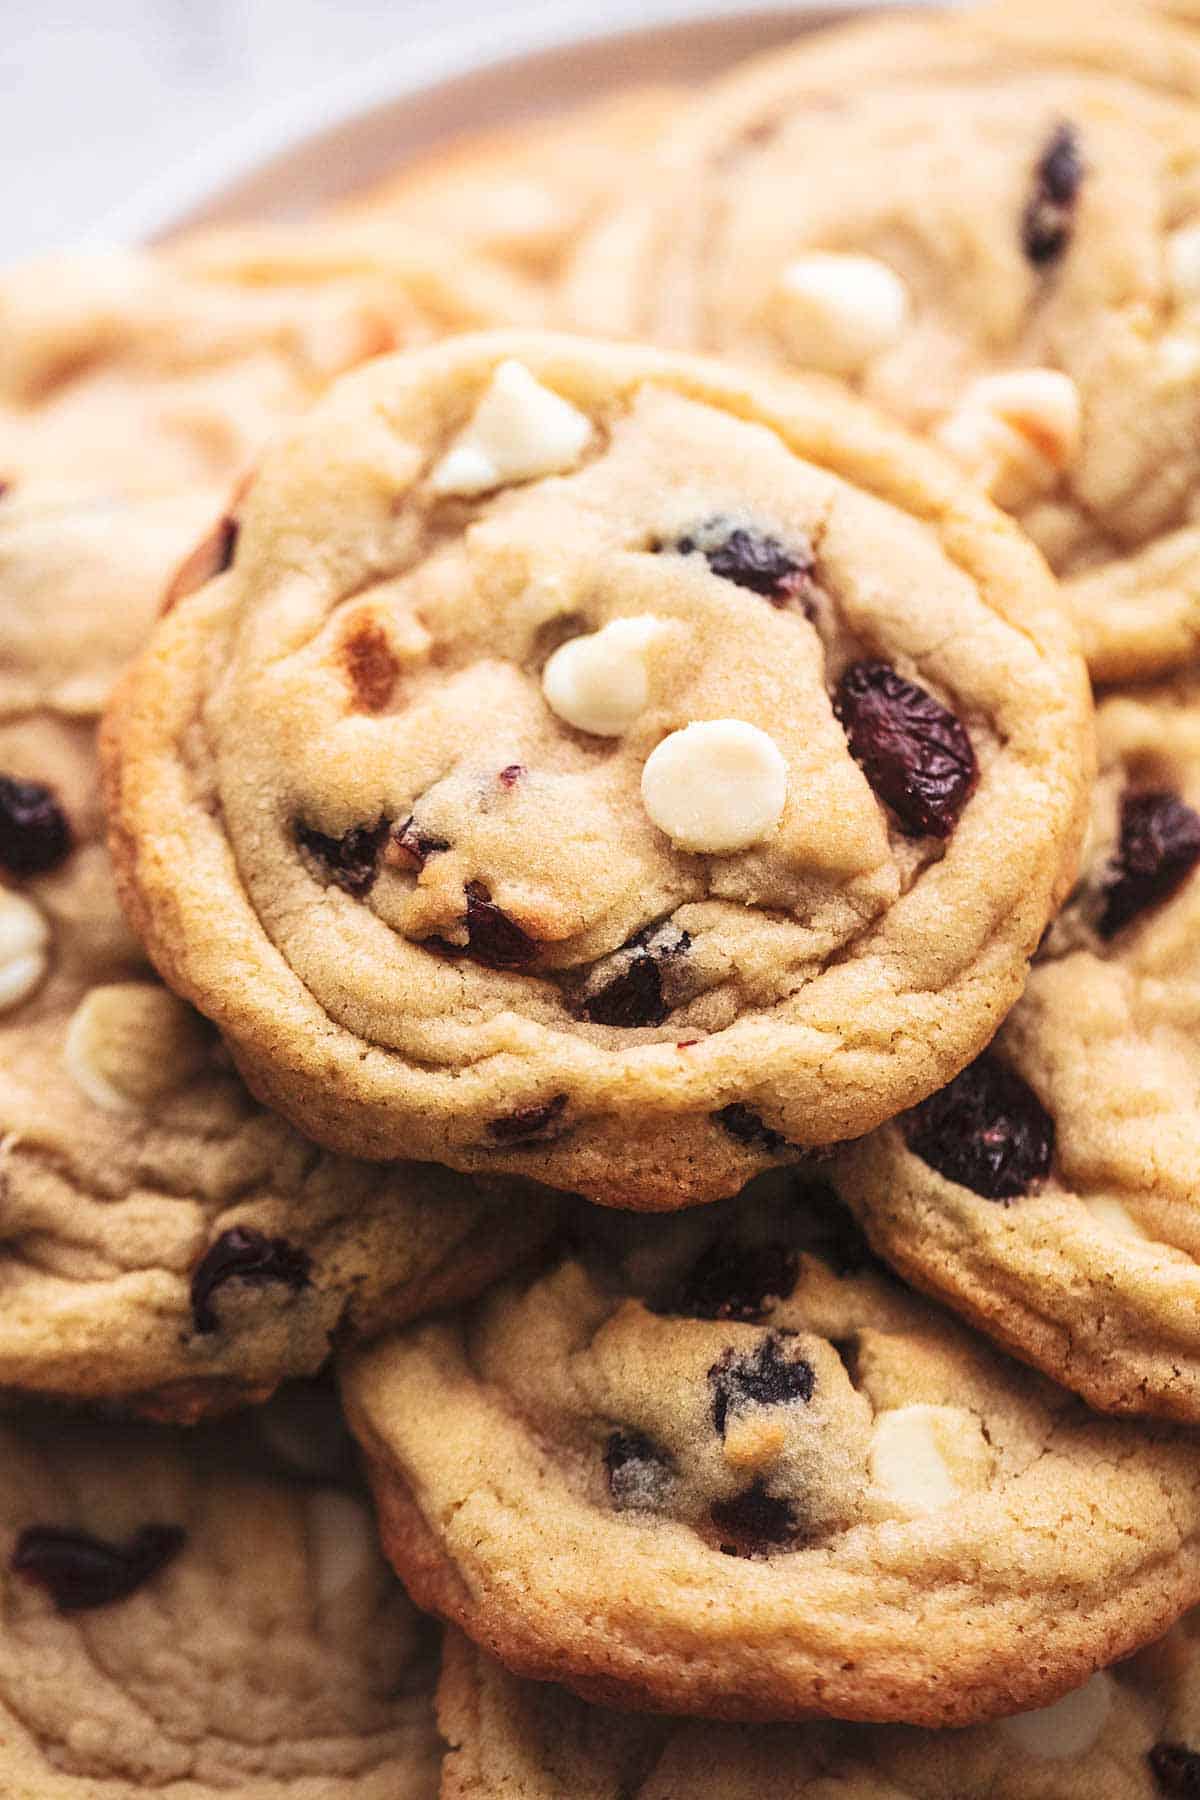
x=1113, y=1216
x=519, y=429
x=1069, y=1728
x=24, y=949
x=343, y=1545
x=836, y=311
x=1183, y=266
x=598, y=682
x=716, y=786
x=130, y=1043
x=1016, y=432
x=923, y=1457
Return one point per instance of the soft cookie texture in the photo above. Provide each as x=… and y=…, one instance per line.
x=1050, y=1192
x=184, y=1618
x=525, y=1740
x=991, y=225
x=721, y=1464
x=389, y=800
x=164, y=1241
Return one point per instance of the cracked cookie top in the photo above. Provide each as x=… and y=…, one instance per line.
x=1050, y=1191
x=1002, y=249
x=721, y=1463
x=182, y=1617
x=601, y=765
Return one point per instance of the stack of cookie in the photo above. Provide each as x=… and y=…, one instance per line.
x=644, y=1072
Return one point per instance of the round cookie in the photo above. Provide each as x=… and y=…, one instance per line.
x=184, y=1618
x=717, y=1465
x=140, y=373
x=1049, y=1193
x=601, y=766
x=165, y=1240
x=1002, y=248
x=530, y=1740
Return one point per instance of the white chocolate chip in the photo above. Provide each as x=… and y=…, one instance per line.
x=1183, y=266
x=1069, y=1728
x=343, y=1545
x=24, y=949
x=519, y=429
x=130, y=1043
x=304, y=1428
x=1113, y=1216
x=716, y=786
x=836, y=311
x=1016, y=432
x=598, y=682
x=923, y=1457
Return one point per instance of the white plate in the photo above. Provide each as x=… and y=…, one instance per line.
x=320, y=148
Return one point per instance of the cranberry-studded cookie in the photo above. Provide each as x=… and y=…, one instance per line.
x=720, y=1464
x=1050, y=1191
x=527, y=1740
x=602, y=766
x=134, y=373
x=525, y=194
x=163, y=1239
x=184, y=1618
x=991, y=226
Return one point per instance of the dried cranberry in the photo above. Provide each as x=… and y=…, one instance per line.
x=510, y=775
x=914, y=752
x=1159, y=848
x=35, y=834
x=408, y=848
x=634, y=994
x=1177, y=1770
x=988, y=1131
x=1048, y=220
x=735, y=1281
x=754, y=1520
x=350, y=861
x=766, y=1377
x=242, y=1254
x=530, y=1123
x=80, y=1572
x=746, y=1126
x=638, y=1471
x=752, y=559
x=493, y=939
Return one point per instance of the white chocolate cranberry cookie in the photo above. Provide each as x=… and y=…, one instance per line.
x=603, y=766
x=527, y=1740
x=1050, y=1192
x=712, y=1464
x=184, y=1619
x=990, y=224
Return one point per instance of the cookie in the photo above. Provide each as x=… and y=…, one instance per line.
x=183, y=1618
x=530, y=1740
x=722, y=1465
x=138, y=373
x=166, y=1242
x=524, y=194
x=1002, y=248
x=1049, y=1192
x=603, y=767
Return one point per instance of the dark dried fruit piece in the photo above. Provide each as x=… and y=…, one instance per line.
x=493, y=939
x=351, y=861
x=754, y=1521
x=913, y=751
x=988, y=1131
x=755, y=560
x=1177, y=1770
x=1048, y=220
x=81, y=1572
x=766, y=1377
x=745, y=1125
x=1159, y=848
x=735, y=1281
x=530, y=1124
x=408, y=848
x=634, y=993
x=510, y=775
x=638, y=1471
x=35, y=834
x=244, y=1255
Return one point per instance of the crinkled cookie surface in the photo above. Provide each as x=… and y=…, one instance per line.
x=601, y=766
x=1003, y=249
x=718, y=1464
